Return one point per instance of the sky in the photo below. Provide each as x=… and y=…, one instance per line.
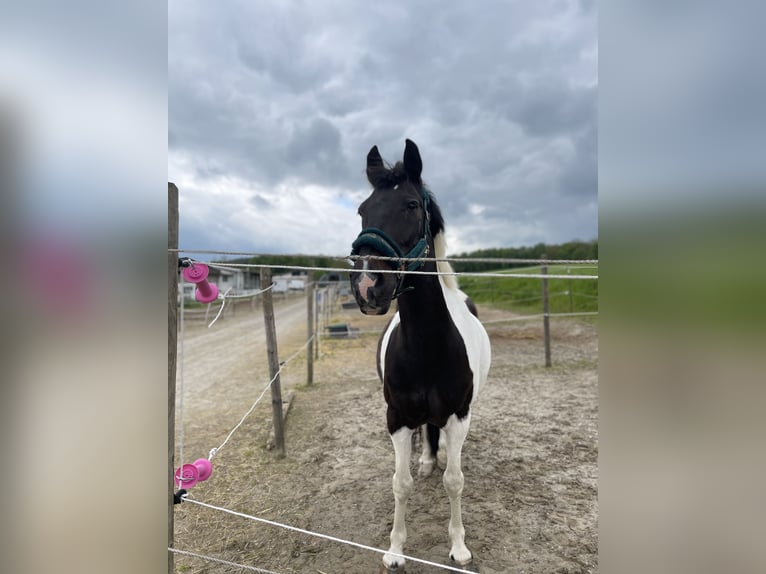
x=273, y=106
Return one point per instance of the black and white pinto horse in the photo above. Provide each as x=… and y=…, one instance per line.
x=434, y=355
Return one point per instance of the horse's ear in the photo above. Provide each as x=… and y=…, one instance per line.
x=413, y=165
x=374, y=163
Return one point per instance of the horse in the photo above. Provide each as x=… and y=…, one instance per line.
x=434, y=354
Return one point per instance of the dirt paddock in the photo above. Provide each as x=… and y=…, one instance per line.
x=530, y=461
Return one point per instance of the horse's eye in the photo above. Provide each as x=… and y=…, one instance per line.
x=413, y=205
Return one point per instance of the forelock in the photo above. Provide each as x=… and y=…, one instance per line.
x=386, y=176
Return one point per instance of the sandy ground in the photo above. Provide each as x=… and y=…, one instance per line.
x=530, y=499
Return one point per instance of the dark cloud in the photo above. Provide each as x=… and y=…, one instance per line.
x=500, y=100
x=317, y=145
x=286, y=62
x=550, y=108
x=261, y=202
x=579, y=176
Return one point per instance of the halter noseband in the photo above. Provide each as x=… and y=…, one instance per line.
x=378, y=240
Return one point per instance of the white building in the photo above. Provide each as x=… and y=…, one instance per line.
x=289, y=282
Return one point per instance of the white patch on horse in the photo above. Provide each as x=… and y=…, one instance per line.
x=440, y=252
x=475, y=338
x=384, y=344
x=364, y=286
x=365, y=282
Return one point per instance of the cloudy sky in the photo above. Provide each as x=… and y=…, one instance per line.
x=272, y=107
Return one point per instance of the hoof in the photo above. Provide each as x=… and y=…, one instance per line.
x=425, y=468
x=393, y=569
x=462, y=559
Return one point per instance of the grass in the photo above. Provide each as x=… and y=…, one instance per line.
x=525, y=295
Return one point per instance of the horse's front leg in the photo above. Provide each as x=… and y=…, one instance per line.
x=455, y=432
x=402, y=484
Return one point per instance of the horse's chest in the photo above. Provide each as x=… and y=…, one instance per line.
x=422, y=384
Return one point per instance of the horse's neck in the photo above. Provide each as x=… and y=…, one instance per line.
x=423, y=308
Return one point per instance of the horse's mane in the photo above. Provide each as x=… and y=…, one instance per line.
x=440, y=252
x=386, y=176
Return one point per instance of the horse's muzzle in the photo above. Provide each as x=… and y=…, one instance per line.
x=371, y=291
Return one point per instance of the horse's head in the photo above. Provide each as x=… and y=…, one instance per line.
x=399, y=220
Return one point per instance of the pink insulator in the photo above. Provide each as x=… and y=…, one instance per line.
x=197, y=273
x=204, y=467
x=190, y=474
x=187, y=476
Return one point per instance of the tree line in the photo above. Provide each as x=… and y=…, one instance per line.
x=569, y=250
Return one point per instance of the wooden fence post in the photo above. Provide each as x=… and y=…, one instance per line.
x=273, y=355
x=318, y=322
x=546, y=317
x=172, y=350
x=310, y=349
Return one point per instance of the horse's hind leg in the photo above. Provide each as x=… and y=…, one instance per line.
x=441, y=453
x=427, y=458
x=402, y=484
x=456, y=430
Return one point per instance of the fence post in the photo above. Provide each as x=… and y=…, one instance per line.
x=318, y=322
x=273, y=355
x=310, y=349
x=172, y=350
x=323, y=307
x=546, y=316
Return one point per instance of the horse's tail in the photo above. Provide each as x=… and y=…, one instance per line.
x=432, y=431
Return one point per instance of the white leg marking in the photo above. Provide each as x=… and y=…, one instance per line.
x=456, y=431
x=441, y=454
x=427, y=459
x=402, y=484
